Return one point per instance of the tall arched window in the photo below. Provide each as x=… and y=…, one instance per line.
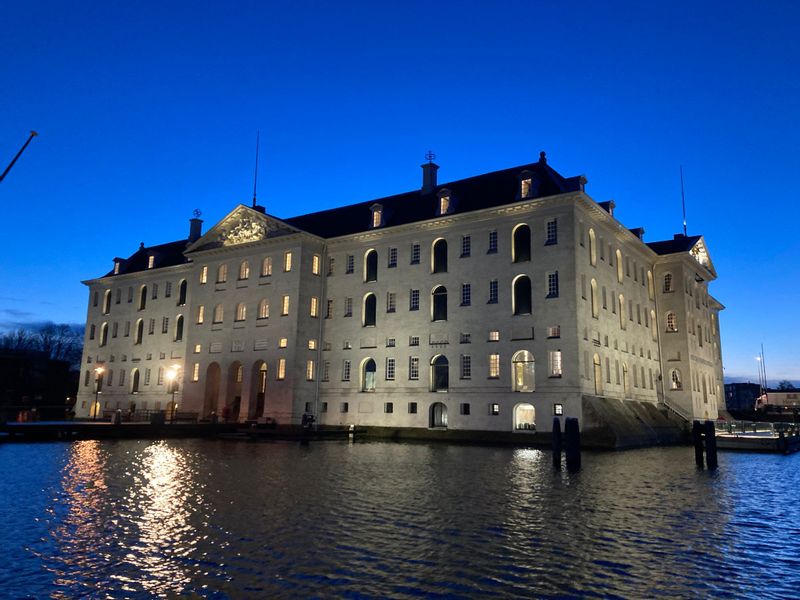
x=598, y=375
x=626, y=381
x=522, y=303
x=244, y=270
x=107, y=302
x=371, y=266
x=143, y=297
x=653, y=330
x=675, y=380
x=620, y=272
x=139, y=332
x=672, y=322
x=135, y=381
x=524, y=370
x=222, y=273
x=241, y=311
x=595, y=300
x=440, y=374
x=182, y=293
x=179, y=328
x=370, y=309
x=592, y=247
x=263, y=309
x=521, y=248
x=439, y=304
x=621, y=311
x=439, y=256
x=651, y=292
x=368, y=370
x=668, y=282
x=219, y=313
x=103, y=334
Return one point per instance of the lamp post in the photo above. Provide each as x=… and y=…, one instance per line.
x=172, y=387
x=98, y=384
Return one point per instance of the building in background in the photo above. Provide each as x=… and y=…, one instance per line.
x=490, y=303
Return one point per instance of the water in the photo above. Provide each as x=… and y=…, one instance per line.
x=383, y=520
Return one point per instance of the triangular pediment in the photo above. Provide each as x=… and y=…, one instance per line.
x=243, y=225
x=699, y=252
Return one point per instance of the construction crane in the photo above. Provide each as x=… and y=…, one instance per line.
x=21, y=150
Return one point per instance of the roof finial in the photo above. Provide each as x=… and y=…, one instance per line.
x=255, y=176
x=197, y=213
x=543, y=157
x=430, y=156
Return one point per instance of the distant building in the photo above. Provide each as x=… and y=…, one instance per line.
x=32, y=385
x=488, y=303
x=741, y=396
x=785, y=398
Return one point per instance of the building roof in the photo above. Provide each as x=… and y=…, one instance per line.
x=679, y=243
x=164, y=255
x=474, y=193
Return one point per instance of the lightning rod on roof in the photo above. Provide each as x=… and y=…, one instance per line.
x=255, y=176
x=683, y=202
x=21, y=150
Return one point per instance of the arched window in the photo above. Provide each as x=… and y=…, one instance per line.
x=219, y=313
x=182, y=293
x=651, y=292
x=107, y=302
x=668, y=282
x=621, y=311
x=222, y=273
x=620, y=272
x=263, y=309
x=371, y=266
x=444, y=202
x=672, y=322
x=592, y=247
x=241, y=311
x=179, y=328
x=368, y=369
x=135, y=381
x=524, y=417
x=438, y=415
x=524, y=370
x=439, y=256
x=653, y=330
x=598, y=375
x=595, y=300
x=139, y=332
x=522, y=303
x=626, y=381
x=244, y=270
x=440, y=374
x=675, y=380
x=439, y=304
x=377, y=215
x=370, y=310
x=521, y=248
x=103, y=334
x=143, y=297
x=525, y=184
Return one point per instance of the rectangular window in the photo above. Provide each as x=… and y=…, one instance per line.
x=494, y=366
x=147, y=376
x=466, y=366
x=287, y=261
x=466, y=245
x=464, y=408
x=263, y=309
x=551, y=230
x=348, y=307
x=392, y=258
x=552, y=285
x=196, y=372
x=310, y=370
x=494, y=335
x=413, y=300
x=413, y=368
x=160, y=378
x=281, y=368
x=91, y=332
x=466, y=294
x=494, y=409
x=493, y=291
x=151, y=261
x=388, y=407
x=390, y=369
x=168, y=289
x=164, y=324
x=413, y=340
x=492, y=243
x=555, y=363
x=554, y=331
x=266, y=266
x=329, y=309
x=315, y=264
x=285, y=306
x=346, y=370
x=118, y=297
x=391, y=342
x=151, y=327
x=465, y=338
x=122, y=378
x=218, y=314
x=222, y=274
x=114, y=329
x=127, y=328
x=155, y=291
x=130, y=293
x=415, y=253
x=331, y=264
x=344, y=407
x=350, y=265
x=391, y=302
x=314, y=311
x=326, y=370
x=412, y=408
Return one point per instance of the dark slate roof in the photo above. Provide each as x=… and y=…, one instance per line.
x=166, y=255
x=474, y=193
x=679, y=243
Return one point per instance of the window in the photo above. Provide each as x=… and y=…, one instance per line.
x=554, y=331
x=668, y=283
x=595, y=300
x=672, y=322
x=392, y=258
x=464, y=408
x=369, y=310
x=413, y=340
x=439, y=304
x=315, y=261
x=107, y=302
x=103, y=334
x=182, y=293
x=390, y=369
x=388, y=407
x=201, y=311
x=412, y=408
x=413, y=300
x=281, y=368
x=525, y=187
x=493, y=291
x=439, y=256
x=312, y=344
x=218, y=314
x=164, y=324
x=619, y=266
x=91, y=331
x=266, y=266
x=331, y=264
x=326, y=373
x=344, y=407
x=222, y=273
x=151, y=261
x=147, y=376
x=203, y=275
x=196, y=372
x=524, y=372
x=494, y=335
x=494, y=366
x=492, y=248
x=675, y=380
x=414, y=253
x=551, y=232
x=155, y=291
x=283, y=342
x=465, y=338
x=143, y=297
x=413, y=368
x=160, y=376
x=179, y=328
x=440, y=377
x=466, y=294
x=244, y=270
x=368, y=370
x=115, y=329
x=346, y=370
x=287, y=262
x=391, y=342
x=494, y=409
x=348, y=307
x=241, y=312
x=151, y=327
x=95, y=299
x=391, y=302
x=285, y=306
x=444, y=202
x=314, y=308
x=466, y=246
x=521, y=248
x=592, y=248
x=466, y=366
x=118, y=296
x=377, y=215
x=371, y=266
x=350, y=264
x=263, y=309
x=555, y=363
x=309, y=370
x=522, y=303
x=329, y=309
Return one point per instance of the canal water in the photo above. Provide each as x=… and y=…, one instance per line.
x=383, y=520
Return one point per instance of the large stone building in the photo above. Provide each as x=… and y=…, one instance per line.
x=490, y=303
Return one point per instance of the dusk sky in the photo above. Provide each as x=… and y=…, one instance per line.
x=149, y=110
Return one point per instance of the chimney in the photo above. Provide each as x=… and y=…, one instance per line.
x=195, y=229
x=429, y=176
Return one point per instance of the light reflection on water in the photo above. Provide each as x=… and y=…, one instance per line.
x=227, y=519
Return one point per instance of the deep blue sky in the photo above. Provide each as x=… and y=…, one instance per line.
x=149, y=110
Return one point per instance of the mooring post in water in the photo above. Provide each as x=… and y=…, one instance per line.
x=572, y=443
x=697, y=437
x=711, y=446
x=556, y=443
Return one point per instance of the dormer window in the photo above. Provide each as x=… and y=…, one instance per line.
x=525, y=184
x=377, y=215
x=151, y=261
x=444, y=202
x=116, y=267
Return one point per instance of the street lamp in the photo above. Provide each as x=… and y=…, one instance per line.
x=98, y=385
x=172, y=387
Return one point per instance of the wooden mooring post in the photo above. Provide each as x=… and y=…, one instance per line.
x=705, y=441
x=556, y=443
x=572, y=445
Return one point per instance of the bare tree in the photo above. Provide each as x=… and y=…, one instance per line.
x=785, y=385
x=58, y=340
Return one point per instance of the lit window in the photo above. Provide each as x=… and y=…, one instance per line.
x=263, y=309
x=196, y=372
x=312, y=344
x=314, y=312
x=222, y=274
x=315, y=264
x=218, y=313
x=523, y=372
x=555, y=363
x=283, y=342
x=285, y=306
x=592, y=248
x=413, y=300
x=116, y=267
x=390, y=369
x=413, y=368
x=619, y=266
x=377, y=215
x=201, y=311
x=494, y=366
x=198, y=348
x=494, y=409
x=675, y=380
x=558, y=409
x=204, y=274
x=266, y=266
x=241, y=311
x=281, y=368
x=444, y=203
x=151, y=261
x=287, y=261
x=595, y=301
x=492, y=243
x=244, y=270
x=525, y=187
x=494, y=336
x=310, y=370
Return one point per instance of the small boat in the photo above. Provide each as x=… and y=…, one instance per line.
x=781, y=438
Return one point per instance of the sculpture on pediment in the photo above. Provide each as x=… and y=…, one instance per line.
x=247, y=229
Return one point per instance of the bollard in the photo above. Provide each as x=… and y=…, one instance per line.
x=697, y=436
x=118, y=417
x=711, y=446
x=572, y=445
x=556, y=443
